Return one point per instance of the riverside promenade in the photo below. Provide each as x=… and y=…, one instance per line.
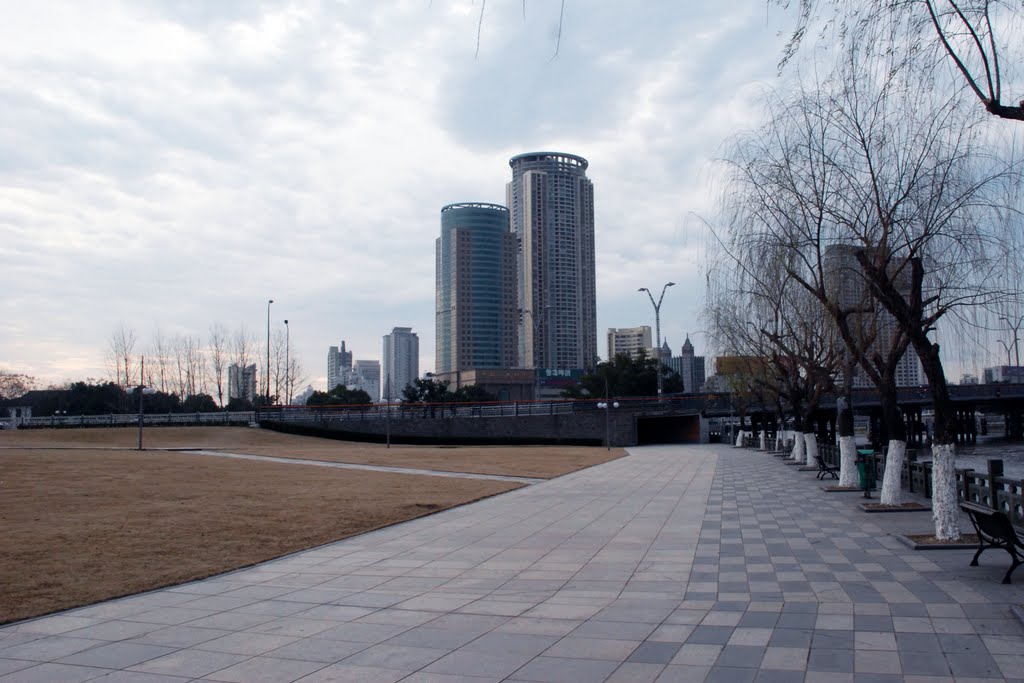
x=676, y=563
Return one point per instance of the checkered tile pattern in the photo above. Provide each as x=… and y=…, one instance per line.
x=677, y=563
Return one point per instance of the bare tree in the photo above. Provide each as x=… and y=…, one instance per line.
x=217, y=352
x=121, y=355
x=158, y=370
x=14, y=384
x=978, y=38
x=904, y=178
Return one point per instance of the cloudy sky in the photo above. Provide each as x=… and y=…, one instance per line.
x=173, y=164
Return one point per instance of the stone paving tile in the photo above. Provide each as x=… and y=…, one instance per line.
x=676, y=563
x=54, y=673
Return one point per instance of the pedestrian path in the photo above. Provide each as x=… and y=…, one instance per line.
x=357, y=466
x=677, y=563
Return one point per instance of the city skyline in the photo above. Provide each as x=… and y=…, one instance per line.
x=175, y=165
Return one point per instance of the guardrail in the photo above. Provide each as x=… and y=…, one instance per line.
x=128, y=420
x=693, y=404
x=984, y=488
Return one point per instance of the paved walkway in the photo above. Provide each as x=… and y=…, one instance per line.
x=673, y=564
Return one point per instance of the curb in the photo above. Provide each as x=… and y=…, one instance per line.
x=914, y=545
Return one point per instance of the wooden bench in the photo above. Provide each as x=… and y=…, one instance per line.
x=825, y=469
x=994, y=531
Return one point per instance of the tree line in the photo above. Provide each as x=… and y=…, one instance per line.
x=862, y=221
x=188, y=365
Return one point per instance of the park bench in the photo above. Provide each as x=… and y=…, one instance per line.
x=826, y=469
x=994, y=531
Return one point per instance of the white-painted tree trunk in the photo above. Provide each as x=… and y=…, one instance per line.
x=848, y=461
x=810, y=448
x=945, y=508
x=798, y=447
x=739, y=437
x=763, y=441
x=892, y=493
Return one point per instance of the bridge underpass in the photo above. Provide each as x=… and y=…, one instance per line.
x=668, y=429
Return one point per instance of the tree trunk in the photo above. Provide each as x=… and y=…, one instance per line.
x=892, y=491
x=945, y=509
x=848, y=461
x=811, y=447
x=896, y=455
x=847, y=440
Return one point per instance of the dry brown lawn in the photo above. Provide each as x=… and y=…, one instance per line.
x=83, y=521
x=522, y=461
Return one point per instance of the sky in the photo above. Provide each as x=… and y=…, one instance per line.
x=170, y=165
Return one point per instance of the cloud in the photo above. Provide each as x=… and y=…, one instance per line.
x=178, y=163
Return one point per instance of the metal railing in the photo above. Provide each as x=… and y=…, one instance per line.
x=128, y=420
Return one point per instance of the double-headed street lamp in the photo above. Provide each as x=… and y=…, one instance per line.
x=1016, y=339
x=533, y=352
x=1007, y=347
x=657, y=325
x=267, y=369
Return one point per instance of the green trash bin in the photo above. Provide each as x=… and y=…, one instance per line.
x=866, y=474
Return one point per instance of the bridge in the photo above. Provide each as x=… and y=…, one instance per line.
x=676, y=418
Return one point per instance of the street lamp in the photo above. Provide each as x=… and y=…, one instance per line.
x=143, y=390
x=606, y=406
x=1016, y=329
x=287, y=363
x=1007, y=347
x=533, y=354
x=266, y=381
x=657, y=325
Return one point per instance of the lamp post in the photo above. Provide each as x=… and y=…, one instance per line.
x=607, y=406
x=143, y=389
x=536, y=333
x=1007, y=347
x=266, y=381
x=287, y=363
x=657, y=325
x=1016, y=339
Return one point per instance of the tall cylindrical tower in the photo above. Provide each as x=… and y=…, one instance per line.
x=475, y=291
x=551, y=202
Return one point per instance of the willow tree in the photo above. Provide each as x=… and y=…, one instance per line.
x=757, y=311
x=903, y=180
x=974, y=46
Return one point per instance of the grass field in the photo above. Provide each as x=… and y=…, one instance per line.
x=85, y=519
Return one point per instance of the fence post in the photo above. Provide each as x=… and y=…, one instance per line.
x=995, y=469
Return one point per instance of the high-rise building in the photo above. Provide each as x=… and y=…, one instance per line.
x=845, y=279
x=339, y=365
x=365, y=375
x=630, y=341
x=551, y=205
x=401, y=361
x=242, y=382
x=689, y=366
x=475, y=295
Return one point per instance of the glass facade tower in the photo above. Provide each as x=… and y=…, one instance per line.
x=475, y=292
x=551, y=203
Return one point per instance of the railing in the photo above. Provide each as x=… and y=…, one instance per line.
x=128, y=420
x=693, y=404
x=976, y=487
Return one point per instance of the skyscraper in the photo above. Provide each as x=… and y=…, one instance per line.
x=401, y=361
x=630, y=341
x=339, y=366
x=242, y=382
x=475, y=295
x=845, y=279
x=689, y=366
x=551, y=202
x=365, y=375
